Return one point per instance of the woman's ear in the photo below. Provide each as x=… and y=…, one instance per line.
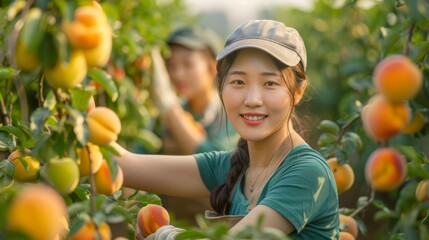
x=300, y=92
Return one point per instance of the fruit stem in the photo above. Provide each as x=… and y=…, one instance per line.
x=4, y=113
x=346, y=126
x=361, y=208
x=410, y=32
x=40, y=97
x=93, y=193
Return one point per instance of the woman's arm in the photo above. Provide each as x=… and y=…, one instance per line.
x=272, y=219
x=161, y=174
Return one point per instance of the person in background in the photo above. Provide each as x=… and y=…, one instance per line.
x=190, y=109
x=272, y=172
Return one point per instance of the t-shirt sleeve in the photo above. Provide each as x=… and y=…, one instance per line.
x=213, y=167
x=299, y=192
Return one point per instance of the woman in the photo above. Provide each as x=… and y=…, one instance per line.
x=272, y=172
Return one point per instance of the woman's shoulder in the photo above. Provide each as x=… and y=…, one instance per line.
x=304, y=157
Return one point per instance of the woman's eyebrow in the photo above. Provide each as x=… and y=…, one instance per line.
x=237, y=72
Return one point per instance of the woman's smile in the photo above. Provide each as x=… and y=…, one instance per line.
x=253, y=119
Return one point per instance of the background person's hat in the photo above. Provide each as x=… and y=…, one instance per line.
x=197, y=38
x=283, y=43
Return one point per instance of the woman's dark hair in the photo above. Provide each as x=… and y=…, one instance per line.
x=295, y=79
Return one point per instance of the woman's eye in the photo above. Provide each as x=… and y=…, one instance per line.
x=270, y=83
x=238, y=82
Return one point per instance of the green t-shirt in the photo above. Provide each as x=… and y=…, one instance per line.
x=302, y=190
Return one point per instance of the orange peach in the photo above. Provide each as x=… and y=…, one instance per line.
x=100, y=55
x=21, y=173
x=346, y=236
x=383, y=119
x=416, y=124
x=103, y=180
x=385, y=169
x=151, y=217
x=398, y=78
x=422, y=193
x=349, y=224
x=94, y=156
x=38, y=212
x=104, y=126
x=344, y=175
x=89, y=232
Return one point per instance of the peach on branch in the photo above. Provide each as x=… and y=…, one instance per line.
x=63, y=174
x=349, y=224
x=416, y=124
x=38, y=212
x=398, y=78
x=151, y=217
x=422, y=193
x=89, y=157
x=383, y=119
x=67, y=74
x=344, y=175
x=23, y=173
x=385, y=169
x=104, y=126
x=346, y=236
x=103, y=180
x=89, y=232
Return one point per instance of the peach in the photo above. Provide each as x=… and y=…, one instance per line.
x=67, y=74
x=398, y=78
x=422, y=193
x=416, y=124
x=344, y=175
x=104, y=126
x=63, y=174
x=25, y=59
x=21, y=173
x=38, y=212
x=89, y=231
x=151, y=217
x=383, y=119
x=103, y=180
x=86, y=30
x=385, y=169
x=349, y=224
x=94, y=156
x=346, y=236
x=100, y=55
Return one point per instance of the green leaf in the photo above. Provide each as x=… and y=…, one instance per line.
x=6, y=73
x=326, y=139
x=329, y=126
x=124, y=213
x=417, y=170
x=48, y=51
x=81, y=97
x=18, y=133
x=149, y=140
x=50, y=101
x=411, y=153
x=149, y=198
x=341, y=155
x=384, y=215
x=353, y=138
x=38, y=119
x=24, y=163
x=7, y=142
x=192, y=234
x=105, y=80
x=32, y=31
x=80, y=127
x=75, y=226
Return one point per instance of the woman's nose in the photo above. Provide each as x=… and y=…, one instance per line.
x=253, y=97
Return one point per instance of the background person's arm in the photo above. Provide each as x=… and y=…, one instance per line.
x=161, y=174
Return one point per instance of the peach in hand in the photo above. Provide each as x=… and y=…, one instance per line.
x=385, y=169
x=344, y=175
x=398, y=78
x=103, y=180
x=151, y=217
x=104, y=126
x=383, y=119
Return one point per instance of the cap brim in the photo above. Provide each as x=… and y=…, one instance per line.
x=281, y=53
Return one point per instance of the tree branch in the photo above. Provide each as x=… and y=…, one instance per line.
x=410, y=33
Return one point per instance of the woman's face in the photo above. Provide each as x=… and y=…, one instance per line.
x=189, y=71
x=256, y=97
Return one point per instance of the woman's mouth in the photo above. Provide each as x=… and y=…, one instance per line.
x=253, y=119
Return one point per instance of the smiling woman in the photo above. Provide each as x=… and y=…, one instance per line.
x=272, y=172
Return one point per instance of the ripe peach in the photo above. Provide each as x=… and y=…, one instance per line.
x=344, y=175
x=103, y=180
x=385, y=169
x=37, y=211
x=21, y=174
x=349, y=224
x=346, y=236
x=104, y=126
x=63, y=174
x=383, y=119
x=25, y=59
x=398, y=78
x=416, y=124
x=99, y=55
x=421, y=191
x=88, y=232
x=67, y=74
x=84, y=158
x=151, y=217
x=86, y=30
